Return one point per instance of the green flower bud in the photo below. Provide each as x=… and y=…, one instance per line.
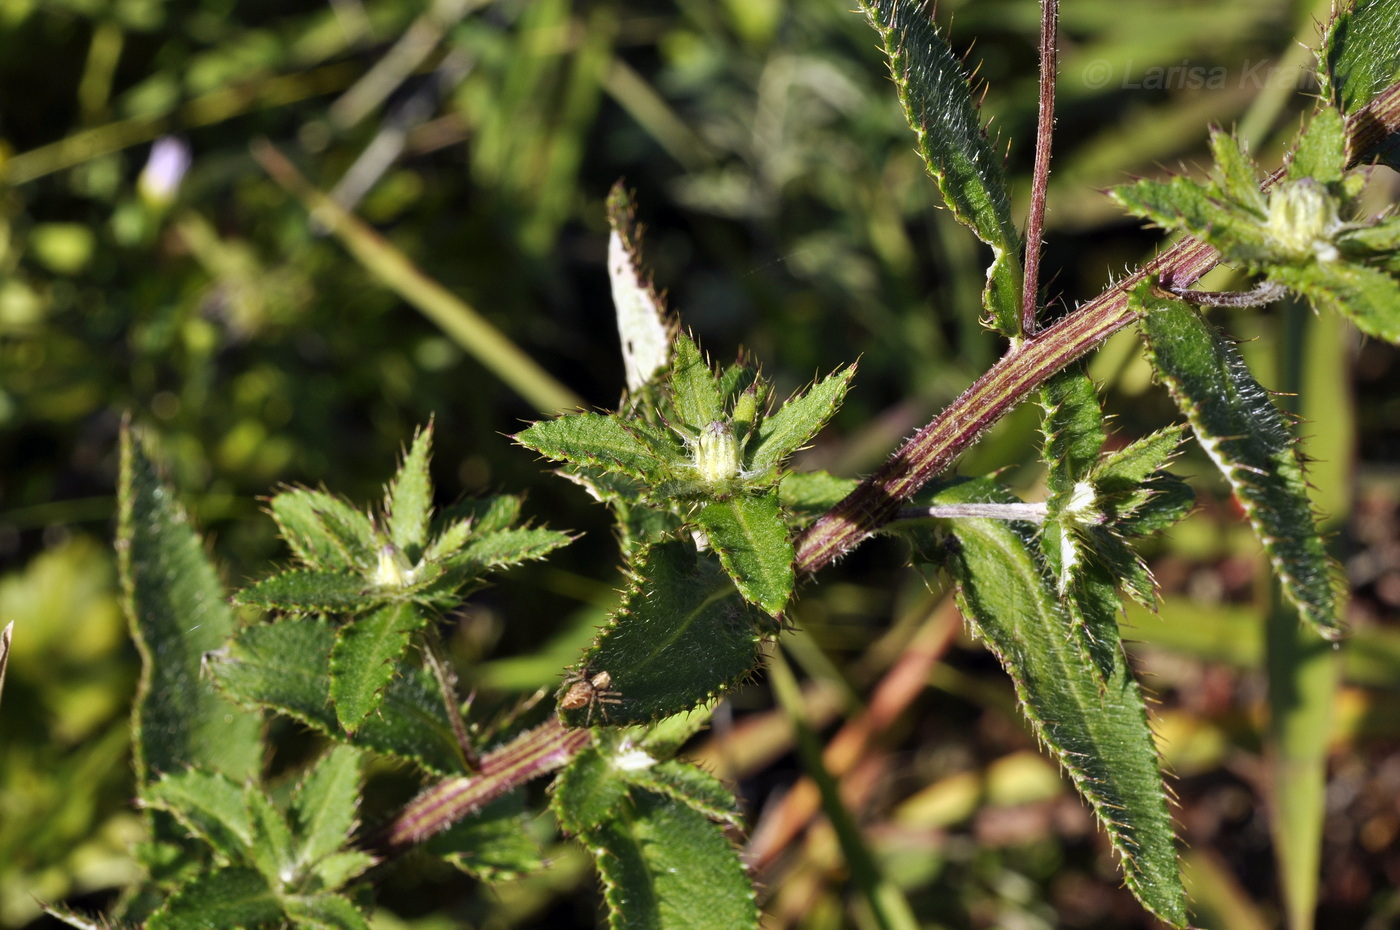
x=717, y=454
x=1302, y=220
x=392, y=570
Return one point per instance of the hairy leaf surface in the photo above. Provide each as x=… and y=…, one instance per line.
x=938, y=103
x=751, y=539
x=1360, y=53
x=228, y=897
x=682, y=635
x=178, y=612
x=285, y=666
x=664, y=865
x=1096, y=727
x=409, y=503
x=366, y=657
x=1250, y=442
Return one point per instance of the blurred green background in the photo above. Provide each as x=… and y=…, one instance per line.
x=788, y=215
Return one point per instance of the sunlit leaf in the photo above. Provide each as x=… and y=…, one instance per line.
x=751, y=539
x=665, y=865
x=1095, y=726
x=682, y=635
x=1250, y=442
x=366, y=658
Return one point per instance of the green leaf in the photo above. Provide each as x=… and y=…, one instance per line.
x=335, y=870
x=797, y=421
x=1321, y=150
x=1181, y=204
x=1250, y=442
x=410, y=499
x=587, y=793
x=366, y=658
x=325, y=912
x=1368, y=297
x=1127, y=468
x=325, y=531
x=285, y=666
x=303, y=590
x=1073, y=429
x=938, y=103
x=485, y=514
x=696, y=390
x=1074, y=436
x=1165, y=500
x=324, y=804
x=690, y=785
x=271, y=850
x=751, y=539
x=1382, y=238
x=1097, y=728
x=298, y=516
x=1360, y=53
x=1235, y=172
x=643, y=326
x=601, y=441
x=208, y=804
x=486, y=551
x=232, y=897
x=682, y=635
x=178, y=611
x=808, y=495
x=494, y=844
x=664, y=865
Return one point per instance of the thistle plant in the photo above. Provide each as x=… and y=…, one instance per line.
x=716, y=532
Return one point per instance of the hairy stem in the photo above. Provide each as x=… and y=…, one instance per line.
x=1040, y=176
x=536, y=752
x=1026, y=366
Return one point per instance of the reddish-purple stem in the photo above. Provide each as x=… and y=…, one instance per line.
x=1040, y=175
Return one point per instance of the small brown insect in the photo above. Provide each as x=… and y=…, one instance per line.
x=594, y=692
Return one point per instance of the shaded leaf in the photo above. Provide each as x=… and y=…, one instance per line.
x=271, y=849
x=1235, y=172
x=689, y=785
x=664, y=865
x=335, y=870
x=807, y=495
x=1320, y=152
x=285, y=666
x=1368, y=297
x=1250, y=442
x=1360, y=53
x=493, y=844
x=751, y=538
x=325, y=912
x=586, y=793
x=324, y=804
x=209, y=804
x=177, y=611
